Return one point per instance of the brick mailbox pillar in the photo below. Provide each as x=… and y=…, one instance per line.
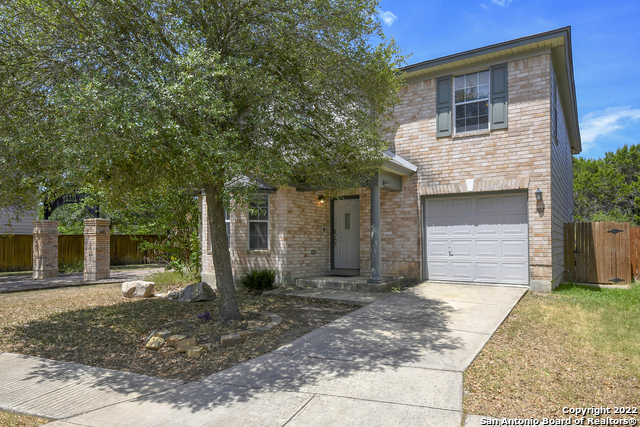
x=45, y=249
x=97, y=240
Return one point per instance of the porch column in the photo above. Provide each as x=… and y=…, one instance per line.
x=45, y=249
x=97, y=246
x=376, y=257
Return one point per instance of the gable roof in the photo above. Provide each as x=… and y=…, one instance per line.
x=558, y=41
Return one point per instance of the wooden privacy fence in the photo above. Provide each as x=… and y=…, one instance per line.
x=16, y=255
x=601, y=252
x=634, y=252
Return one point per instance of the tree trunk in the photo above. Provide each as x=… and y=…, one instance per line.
x=227, y=301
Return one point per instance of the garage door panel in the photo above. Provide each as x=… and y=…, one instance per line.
x=486, y=230
x=516, y=203
x=463, y=271
x=481, y=238
x=487, y=249
x=461, y=230
x=515, y=229
x=438, y=225
x=461, y=205
x=516, y=273
x=487, y=205
x=488, y=272
x=439, y=270
x=439, y=207
x=462, y=248
x=438, y=248
x=514, y=249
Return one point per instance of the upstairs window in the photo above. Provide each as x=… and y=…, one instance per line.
x=471, y=102
x=259, y=223
x=466, y=103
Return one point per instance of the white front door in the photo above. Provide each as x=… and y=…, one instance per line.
x=346, y=222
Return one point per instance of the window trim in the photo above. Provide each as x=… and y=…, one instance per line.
x=455, y=104
x=249, y=221
x=227, y=225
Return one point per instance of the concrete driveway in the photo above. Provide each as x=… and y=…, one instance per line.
x=396, y=362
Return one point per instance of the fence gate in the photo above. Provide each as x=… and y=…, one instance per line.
x=598, y=252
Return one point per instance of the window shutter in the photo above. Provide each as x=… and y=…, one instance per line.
x=443, y=106
x=499, y=96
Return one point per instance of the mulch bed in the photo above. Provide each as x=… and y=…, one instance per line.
x=97, y=326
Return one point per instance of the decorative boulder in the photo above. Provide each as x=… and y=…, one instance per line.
x=173, y=294
x=155, y=343
x=197, y=292
x=173, y=340
x=183, y=345
x=138, y=289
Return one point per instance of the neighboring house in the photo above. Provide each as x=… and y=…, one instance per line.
x=479, y=133
x=10, y=224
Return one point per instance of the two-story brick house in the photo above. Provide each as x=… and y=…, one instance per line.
x=477, y=187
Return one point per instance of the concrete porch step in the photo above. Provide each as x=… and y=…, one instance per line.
x=358, y=283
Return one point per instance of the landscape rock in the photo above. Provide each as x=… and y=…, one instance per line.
x=231, y=339
x=164, y=334
x=194, y=352
x=173, y=340
x=155, y=343
x=196, y=292
x=173, y=294
x=183, y=345
x=138, y=289
x=247, y=334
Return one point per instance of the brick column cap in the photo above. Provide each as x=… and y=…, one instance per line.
x=45, y=227
x=97, y=222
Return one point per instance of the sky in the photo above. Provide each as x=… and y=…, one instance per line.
x=605, y=37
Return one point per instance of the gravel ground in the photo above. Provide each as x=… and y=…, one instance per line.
x=97, y=326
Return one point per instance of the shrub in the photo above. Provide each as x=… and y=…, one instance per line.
x=258, y=280
x=72, y=267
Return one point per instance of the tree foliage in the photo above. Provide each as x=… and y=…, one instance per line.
x=608, y=189
x=117, y=96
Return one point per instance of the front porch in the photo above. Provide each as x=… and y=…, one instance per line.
x=355, y=283
x=306, y=235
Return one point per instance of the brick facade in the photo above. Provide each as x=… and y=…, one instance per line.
x=516, y=158
x=97, y=245
x=45, y=249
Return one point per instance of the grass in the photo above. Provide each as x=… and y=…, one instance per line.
x=578, y=346
x=8, y=419
x=168, y=279
x=97, y=326
x=136, y=266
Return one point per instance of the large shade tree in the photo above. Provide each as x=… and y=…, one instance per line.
x=121, y=96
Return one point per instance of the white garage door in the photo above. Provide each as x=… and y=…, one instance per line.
x=480, y=238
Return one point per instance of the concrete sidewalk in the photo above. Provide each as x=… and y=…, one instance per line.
x=396, y=362
x=22, y=283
